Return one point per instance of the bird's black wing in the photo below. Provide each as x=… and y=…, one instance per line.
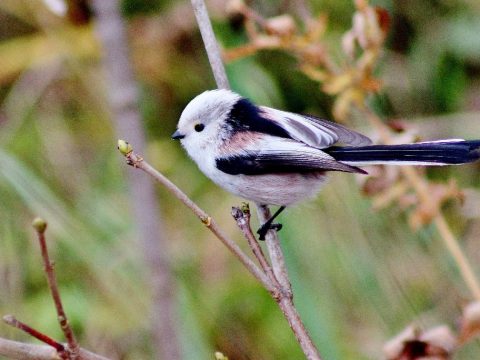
x=281, y=161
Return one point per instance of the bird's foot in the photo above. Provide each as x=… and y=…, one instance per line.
x=265, y=228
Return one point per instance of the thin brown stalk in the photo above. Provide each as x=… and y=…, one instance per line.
x=21, y=351
x=53, y=286
x=283, y=296
x=275, y=251
x=242, y=217
x=138, y=162
x=12, y=321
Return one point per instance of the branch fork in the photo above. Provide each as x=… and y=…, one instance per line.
x=55, y=350
x=273, y=277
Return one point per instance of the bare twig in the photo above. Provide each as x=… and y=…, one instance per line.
x=40, y=226
x=275, y=252
x=138, y=162
x=21, y=351
x=281, y=295
x=124, y=94
x=242, y=217
x=12, y=321
x=55, y=350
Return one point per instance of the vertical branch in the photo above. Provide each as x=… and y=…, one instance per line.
x=275, y=252
x=40, y=226
x=123, y=93
x=211, y=44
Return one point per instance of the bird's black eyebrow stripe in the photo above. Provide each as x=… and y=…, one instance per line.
x=245, y=116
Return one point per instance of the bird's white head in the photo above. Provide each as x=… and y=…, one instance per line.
x=201, y=122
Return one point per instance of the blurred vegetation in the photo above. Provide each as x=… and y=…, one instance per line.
x=359, y=276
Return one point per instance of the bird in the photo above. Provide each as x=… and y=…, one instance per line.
x=280, y=158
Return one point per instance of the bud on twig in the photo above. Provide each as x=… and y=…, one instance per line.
x=124, y=147
x=39, y=225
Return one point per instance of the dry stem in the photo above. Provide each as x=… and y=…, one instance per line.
x=275, y=252
x=242, y=217
x=12, y=321
x=55, y=350
x=281, y=294
x=138, y=162
x=53, y=286
x=21, y=351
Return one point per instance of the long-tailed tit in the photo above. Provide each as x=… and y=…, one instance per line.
x=280, y=158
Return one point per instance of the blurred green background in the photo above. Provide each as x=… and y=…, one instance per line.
x=359, y=276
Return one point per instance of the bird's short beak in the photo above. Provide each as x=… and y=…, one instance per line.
x=177, y=135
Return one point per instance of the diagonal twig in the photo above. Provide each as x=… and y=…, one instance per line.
x=280, y=294
x=138, y=162
x=22, y=351
x=242, y=217
x=12, y=321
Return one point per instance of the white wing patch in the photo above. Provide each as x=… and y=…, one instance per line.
x=314, y=131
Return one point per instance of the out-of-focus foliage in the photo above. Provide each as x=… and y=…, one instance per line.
x=360, y=276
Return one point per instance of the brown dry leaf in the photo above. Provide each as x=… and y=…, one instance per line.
x=414, y=344
x=267, y=42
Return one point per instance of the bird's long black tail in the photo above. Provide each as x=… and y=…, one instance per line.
x=443, y=152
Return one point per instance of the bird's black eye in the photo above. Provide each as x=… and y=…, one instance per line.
x=199, y=127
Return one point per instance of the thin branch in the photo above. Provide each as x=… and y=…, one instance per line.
x=138, y=162
x=211, y=44
x=281, y=295
x=21, y=351
x=59, y=348
x=275, y=252
x=284, y=296
x=55, y=350
x=40, y=226
x=242, y=217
